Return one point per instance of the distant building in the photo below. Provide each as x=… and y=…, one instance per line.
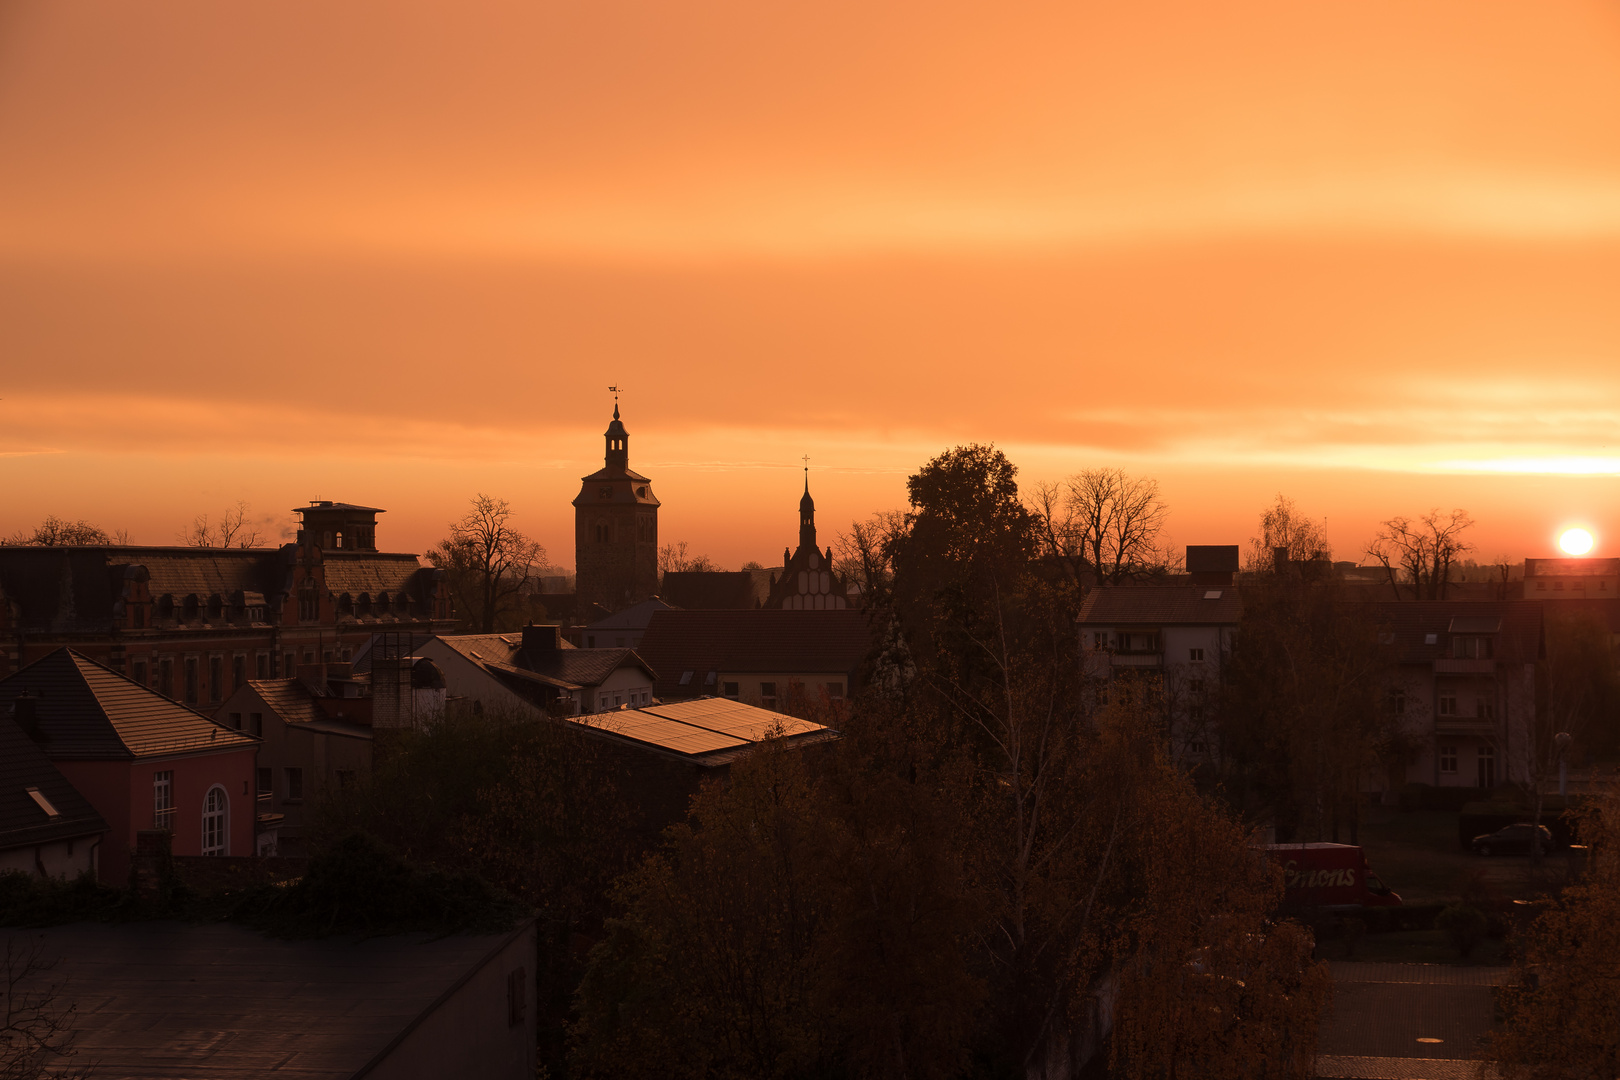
x=615, y=529
x=718, y=590
x=769, y=658
x=622, y=629
x=140, y=759
x=1571, y=579
x=531, y=669
x=808, y=581
x=195, y=624
x=46, y=826
x=316, y=733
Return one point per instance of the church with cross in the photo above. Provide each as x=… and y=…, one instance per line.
x=808, y=581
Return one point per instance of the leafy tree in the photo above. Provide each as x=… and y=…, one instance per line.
x=488, y=564
x=1304, y=715
x=1562, y=1008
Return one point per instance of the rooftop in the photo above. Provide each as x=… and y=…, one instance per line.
x=217, y=1001
x=89, y=712
x=763, y=641
x=37, y=804
x=704, y=727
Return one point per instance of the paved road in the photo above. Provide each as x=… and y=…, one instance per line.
x=1407, y=1021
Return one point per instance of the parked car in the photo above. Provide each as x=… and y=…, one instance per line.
x=1520, y=839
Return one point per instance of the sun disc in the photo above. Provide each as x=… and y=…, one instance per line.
x=1575, y=541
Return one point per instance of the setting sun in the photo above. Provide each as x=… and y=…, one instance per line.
x=1575, y=541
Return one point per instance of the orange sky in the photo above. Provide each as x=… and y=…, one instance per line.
x=1366, y=254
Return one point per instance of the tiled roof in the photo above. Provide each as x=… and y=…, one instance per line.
x=1162, y=605
x=90, y=712
x=784, y=642
x=1412, y=622
x=23, y=821
x=365, y=572
x=716, y=590
x=576, y=667
x=290, y=698
x=634, y=617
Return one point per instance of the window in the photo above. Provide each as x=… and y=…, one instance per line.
x=216, y=679
x=1195, y=713
x=1198, y=747
x=1485, y=708
x=266, y=783
x=1448, y=705
x=1487, y=766
x=140, y=671
x=256, y=725
x=767, y=694
x=1472, y=648
x=295, y=784
x=137, y=617
x=191, y=680
x=309, y=608
x=163, y=800
x=291, y=666
x=1195, y=655
x=730, y=690
x=238, y=672
x=236, y=721
x=1397, y=702
x=262, y=666
x=1431, y=639
x=1099, y=639
x=601, y=702
x=45, y=804
x=1195, y=686
x=835, y=690
x=1448, y=759
x=686, y=678
x=215, y=807
x=166, y=677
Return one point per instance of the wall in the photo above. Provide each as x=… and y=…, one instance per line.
x=106, y=784
x=64, y=859
x=467, y=1033
x=622, y=683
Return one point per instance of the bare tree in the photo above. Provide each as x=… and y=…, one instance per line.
x=1283, y=526
x=58, y=532
x=1422, y=552
x=672, y=558
x=487, y=562
x=36, y=1021
x=1101, y=520
x=231, y=530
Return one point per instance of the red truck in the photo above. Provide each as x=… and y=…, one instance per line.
x=1329, y=876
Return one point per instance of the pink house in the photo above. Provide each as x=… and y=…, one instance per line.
x=142, y=760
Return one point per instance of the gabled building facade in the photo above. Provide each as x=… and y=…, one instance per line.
x=142, y=760
x=808, y=581
x=766, y=658
x=46, y=827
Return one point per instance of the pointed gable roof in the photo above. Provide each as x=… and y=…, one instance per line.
x=24, y=819
x=89, y=712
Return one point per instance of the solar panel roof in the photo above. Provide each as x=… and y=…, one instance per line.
x=731, y=718
x=666, y=733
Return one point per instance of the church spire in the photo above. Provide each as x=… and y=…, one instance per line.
x=807, y=512
x=618, y=439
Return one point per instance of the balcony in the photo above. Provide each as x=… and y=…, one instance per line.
x=1465, y=725
x=1464, y=667
x=1138, y=659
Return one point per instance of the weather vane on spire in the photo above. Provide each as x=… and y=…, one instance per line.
x=614, y=390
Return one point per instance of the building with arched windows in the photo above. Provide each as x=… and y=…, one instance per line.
x=615, y=529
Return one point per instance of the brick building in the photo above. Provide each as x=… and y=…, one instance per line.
x=195, y=624
x=141, y=760
x=615, y=529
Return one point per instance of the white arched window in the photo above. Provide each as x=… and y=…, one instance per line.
x=216, y=822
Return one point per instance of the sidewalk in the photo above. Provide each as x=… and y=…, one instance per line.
x=1407, y=1021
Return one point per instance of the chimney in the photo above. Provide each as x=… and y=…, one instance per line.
x=542, y=638
x=25, y=711
x=1212, y=565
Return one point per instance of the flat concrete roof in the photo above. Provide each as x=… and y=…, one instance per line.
x=182, y=1001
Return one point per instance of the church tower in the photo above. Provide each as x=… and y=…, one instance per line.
x=615, y=529
x=808, y=581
